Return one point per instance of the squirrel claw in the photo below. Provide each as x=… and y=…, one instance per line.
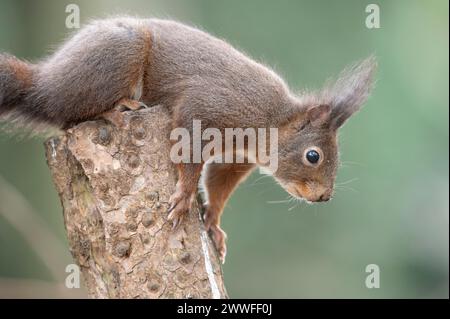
x=171, y=208
x=175, y=221
x=219, y=238
x=180, y=204
x=176, y=217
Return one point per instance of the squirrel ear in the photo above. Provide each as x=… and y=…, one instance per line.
x=351, y=90
x=318, y=115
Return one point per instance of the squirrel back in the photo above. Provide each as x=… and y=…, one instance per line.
x=152, y=60
x=155, y=61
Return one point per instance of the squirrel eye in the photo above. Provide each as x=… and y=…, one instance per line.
x=312, y=156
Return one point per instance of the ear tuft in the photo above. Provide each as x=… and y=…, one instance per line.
x=351, y=90
x=319, y=115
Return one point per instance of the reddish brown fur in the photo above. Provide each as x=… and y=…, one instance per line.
x=196, y=77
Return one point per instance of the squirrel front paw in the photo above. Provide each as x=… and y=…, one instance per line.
x=179, y=205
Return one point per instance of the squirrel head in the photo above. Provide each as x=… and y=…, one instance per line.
x=308, y=147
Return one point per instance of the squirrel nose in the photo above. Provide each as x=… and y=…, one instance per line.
x=325, y=197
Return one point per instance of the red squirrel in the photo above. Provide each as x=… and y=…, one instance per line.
x=132, y=62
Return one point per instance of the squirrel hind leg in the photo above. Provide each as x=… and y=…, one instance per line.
x=115, y=115
x=130, y=105
x=220, y=181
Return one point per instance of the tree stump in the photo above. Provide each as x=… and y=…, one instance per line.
x=114, y=184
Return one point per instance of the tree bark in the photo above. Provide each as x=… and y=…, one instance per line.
x=114, y=185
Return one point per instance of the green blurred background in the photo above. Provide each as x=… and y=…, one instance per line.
x=392, y=208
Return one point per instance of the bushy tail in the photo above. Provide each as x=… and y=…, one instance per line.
x=15, y=81
x=16, y=84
